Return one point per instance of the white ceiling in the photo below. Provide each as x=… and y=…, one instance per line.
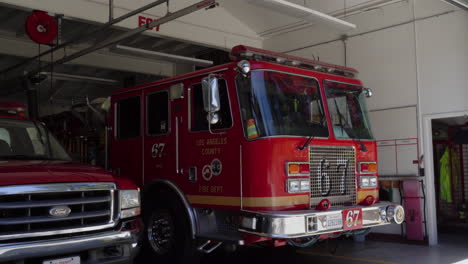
x=262, y=20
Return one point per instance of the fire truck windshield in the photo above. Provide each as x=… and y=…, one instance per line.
x=27, y=140
x=348, y=111
x=281, y=104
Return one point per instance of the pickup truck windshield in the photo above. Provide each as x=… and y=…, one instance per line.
x=27, y=140
x=348, y=111
x=281, y=104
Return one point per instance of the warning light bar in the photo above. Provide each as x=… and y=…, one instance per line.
x=250, y=53
x=12, y=109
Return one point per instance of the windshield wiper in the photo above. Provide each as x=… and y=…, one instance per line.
x=307, y=143
x=310, y=138
x=347, y=128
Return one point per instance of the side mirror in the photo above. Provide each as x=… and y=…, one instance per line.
x=211, y=94
x=368, y=92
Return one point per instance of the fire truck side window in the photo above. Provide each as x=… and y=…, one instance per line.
x=128, y=118
x=158, y=113
x=199, y=120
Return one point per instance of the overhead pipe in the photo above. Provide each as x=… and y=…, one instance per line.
x=166, y=56
x=169, y=17
x=111, y=10
x=80, y=38
x=78, y=78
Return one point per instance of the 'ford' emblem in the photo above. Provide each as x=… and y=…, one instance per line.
x=60, y=211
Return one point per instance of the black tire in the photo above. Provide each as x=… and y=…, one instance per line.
x=167, y=237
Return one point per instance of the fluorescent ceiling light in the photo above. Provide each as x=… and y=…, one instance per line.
x=304, y=13
x=164, y=56
x=458, y=3
x=78, y=78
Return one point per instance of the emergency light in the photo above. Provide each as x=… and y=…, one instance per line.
x=242, y=52
x=12, y=109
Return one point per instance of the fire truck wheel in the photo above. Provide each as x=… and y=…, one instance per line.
x=167, y=238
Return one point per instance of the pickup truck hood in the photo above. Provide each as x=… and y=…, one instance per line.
x=36, y=172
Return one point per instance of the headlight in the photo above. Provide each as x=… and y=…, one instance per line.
x=368, y=181
x=129, y=203
x=129, y=199
x=298, y=185
x=305, y=186
x=293, y=186
x=364, y=182
x=373, y=181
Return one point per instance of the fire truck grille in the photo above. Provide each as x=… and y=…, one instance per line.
x=54, y=209
x=332, y=175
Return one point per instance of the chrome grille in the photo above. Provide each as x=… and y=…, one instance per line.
x=332, y=175
x=25, y=211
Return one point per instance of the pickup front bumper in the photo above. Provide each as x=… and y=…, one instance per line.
x=306, y=223
x=113, y=246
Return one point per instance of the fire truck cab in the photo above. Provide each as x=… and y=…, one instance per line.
x=269, y=147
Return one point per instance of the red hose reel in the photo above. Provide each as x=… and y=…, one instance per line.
x=41, y=28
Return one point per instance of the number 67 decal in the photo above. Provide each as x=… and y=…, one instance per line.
x=157, y=150
x=352, y=219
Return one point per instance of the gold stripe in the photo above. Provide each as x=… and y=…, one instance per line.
x=214, y=200
x=361, y=195
x=249, y=201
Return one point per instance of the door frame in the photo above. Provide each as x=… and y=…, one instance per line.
x=431, y=208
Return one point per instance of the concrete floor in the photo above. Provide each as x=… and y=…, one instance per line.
x=452, y=249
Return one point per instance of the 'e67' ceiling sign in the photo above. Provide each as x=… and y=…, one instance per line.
x=146, y=20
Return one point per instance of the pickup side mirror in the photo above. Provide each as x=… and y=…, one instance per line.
x=211, y=101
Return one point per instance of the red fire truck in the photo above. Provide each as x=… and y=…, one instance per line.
x=268, y=147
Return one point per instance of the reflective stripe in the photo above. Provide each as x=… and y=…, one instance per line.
x=252, y=131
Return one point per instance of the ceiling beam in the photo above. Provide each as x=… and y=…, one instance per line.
x=103, y=59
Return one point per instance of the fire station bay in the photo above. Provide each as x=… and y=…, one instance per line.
x=233, y=131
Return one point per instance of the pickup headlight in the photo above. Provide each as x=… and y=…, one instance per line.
x=129, y=203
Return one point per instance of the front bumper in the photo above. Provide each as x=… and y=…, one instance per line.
x=104, y=247
x=306, y=223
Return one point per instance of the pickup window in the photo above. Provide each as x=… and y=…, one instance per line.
x=28, y=140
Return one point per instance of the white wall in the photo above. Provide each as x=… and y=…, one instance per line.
x=415, y=59
x=443, y=63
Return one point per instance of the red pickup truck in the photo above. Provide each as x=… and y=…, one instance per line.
x=53, y=210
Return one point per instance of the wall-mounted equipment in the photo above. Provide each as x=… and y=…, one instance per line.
x=41, y=28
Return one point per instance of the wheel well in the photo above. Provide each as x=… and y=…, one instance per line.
x=164, y=188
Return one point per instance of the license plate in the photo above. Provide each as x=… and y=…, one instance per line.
x=352, y=219
x=70, y=260
x=334, y=221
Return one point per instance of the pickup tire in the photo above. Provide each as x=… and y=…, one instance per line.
x=167, y=236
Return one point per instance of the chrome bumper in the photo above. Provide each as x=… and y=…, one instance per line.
x=305, y=223
x=60, y=246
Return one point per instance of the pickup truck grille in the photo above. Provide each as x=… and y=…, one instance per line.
x=333, y=175
x=54, y=209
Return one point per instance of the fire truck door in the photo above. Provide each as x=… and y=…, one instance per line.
x=126, y=140
x=160, y=131
x=209, y=159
